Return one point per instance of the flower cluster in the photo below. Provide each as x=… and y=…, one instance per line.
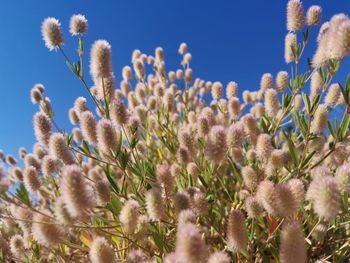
x=166, y=167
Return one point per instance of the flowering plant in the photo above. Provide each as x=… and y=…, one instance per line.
x=165, y=169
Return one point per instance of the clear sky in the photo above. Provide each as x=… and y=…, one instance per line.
x=229, y=40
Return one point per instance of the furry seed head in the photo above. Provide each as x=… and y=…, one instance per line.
x=271, y=103
x=333, y=94
x=31, y=179
x=101, y=251
x=58, y=148
x=100, y=59
x=42, y=127
x=282, y=81
x=45, y=231
x=342, y=177
x=313, y=15
x=88, y=127
x=78, y=24
x=76, y=191
x=250, y=177
x=253, y=207
x=325, y=195
x=154, y=204
x=217, y=90
x=267, y=197
x=290, y=44
x=293, y=247
x=217, y=146
x=190, y=246
x=51, y=32
x=266, y=82
x=236, y=232
x=263, y=146
x=231, y=89
x=35, y=95
x=320, y=120
x=106, y=136
x=295, y=15
x=219, y=257
x=129, y=215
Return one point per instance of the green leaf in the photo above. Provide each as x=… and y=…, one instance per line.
x=85, y=148
x=307, y=102
x=200, y=177
x=292, y=150
x=108, y=172
x=307, y=159
x=263, y=125
x=22, y=194
x=315, y=103
x=115, y=205
x=345, y=202
x=331, y=129
x=345, y=126
x=347, y=87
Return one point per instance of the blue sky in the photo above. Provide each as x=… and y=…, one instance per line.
x=229, y=40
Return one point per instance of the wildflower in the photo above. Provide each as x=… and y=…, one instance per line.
x=266, y=82
x=320, y=119
x=219, y=257
x=42, y=127
x=217, y=146
x=271, y=103
x=183, y=48
x=342, y=177
x=58, y=148
x=282, y=81
x=155, y=204
x=101, y=251
x=217, y=90
x=236, y=232
x=100, y=59
x=263, y=146
x=313, y=15
x=106, y=136
x=267, y=197
x=290, y=44
x=250, y=178
x=231, y=89
x=333, y=95
x=252, y=206
x=31, y=179
x=129, y=215
x=189, y=245
x=45, y=231
x=88, y=127
x=51, y=32
x=325, y=195
x=295, y=15
x=293, y=248
x=78, y=25
x=76, y=192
